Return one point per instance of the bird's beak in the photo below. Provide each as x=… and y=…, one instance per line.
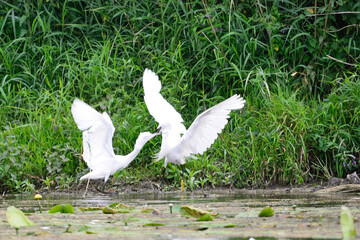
x=158, y=131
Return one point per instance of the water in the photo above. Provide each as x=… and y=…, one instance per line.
x=297, y=216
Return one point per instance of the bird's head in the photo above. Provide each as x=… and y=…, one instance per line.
x=144, y=137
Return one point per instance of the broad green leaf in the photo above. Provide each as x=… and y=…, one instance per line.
x=187, y=211
x=16, y=218
x=347, y=224
x=62, y=208
x=266, y=212
x=205, y=217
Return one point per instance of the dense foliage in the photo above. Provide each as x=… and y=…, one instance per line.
x=295, y=62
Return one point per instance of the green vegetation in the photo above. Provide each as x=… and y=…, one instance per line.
x=347, y=224
x=62, y=208
x=16, y=218
x=295, y=62
x=266, y=212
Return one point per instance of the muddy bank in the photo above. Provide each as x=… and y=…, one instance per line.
x=334, y=185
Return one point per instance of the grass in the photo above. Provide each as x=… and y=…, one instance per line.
x=300, y=123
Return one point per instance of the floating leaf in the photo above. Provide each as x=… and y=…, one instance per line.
x=16, y=218
x=83, y=228
x=195, y=212
x=205, y=217
x=120, y=206
x=147, y=210
x=154, y=224
x=62, y=208
x=90, y=209
x=230, y=226
x=347, y=224
x=266, y=212
x=109, y=210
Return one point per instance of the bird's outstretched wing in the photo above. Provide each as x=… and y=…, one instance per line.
x=206, y=127
x=98, y=132
x=158, y=107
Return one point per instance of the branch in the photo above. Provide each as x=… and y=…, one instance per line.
x=334, y=13
x=337, y=60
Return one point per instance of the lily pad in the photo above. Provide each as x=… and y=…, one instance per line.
x=347, y=224
x=187, y=211
x=230, y=226
x=62, y=208
x=109, y=210
x=205, y=217
x=90, y=209
x=266, y=212
x=16, y=218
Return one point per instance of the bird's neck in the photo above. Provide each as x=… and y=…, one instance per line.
x=124, y=161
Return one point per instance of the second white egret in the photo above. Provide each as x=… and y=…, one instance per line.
x=175, y=147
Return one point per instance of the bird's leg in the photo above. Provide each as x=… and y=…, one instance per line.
x=163, y=178
x=103, y=187
x=87, y=185
x=182, y=178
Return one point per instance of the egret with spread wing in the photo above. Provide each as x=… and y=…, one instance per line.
x=177, y=142
x=98, y=152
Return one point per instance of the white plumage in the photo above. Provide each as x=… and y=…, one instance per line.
x=98, y=132
x=200, y=135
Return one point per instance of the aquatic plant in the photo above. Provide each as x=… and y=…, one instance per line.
x=266, y=212
x=17, y=219
x=62, y=208
x=38, y=197
x=347, y=224
x=201, y=215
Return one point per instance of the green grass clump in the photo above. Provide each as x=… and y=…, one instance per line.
x=299, y=73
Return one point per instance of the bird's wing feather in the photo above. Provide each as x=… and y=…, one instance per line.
x=97, y=130
x=158, y=107
x=96, y=153
x=206, y=127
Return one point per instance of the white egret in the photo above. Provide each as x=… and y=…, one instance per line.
x=175, y=147
x=98, y=151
